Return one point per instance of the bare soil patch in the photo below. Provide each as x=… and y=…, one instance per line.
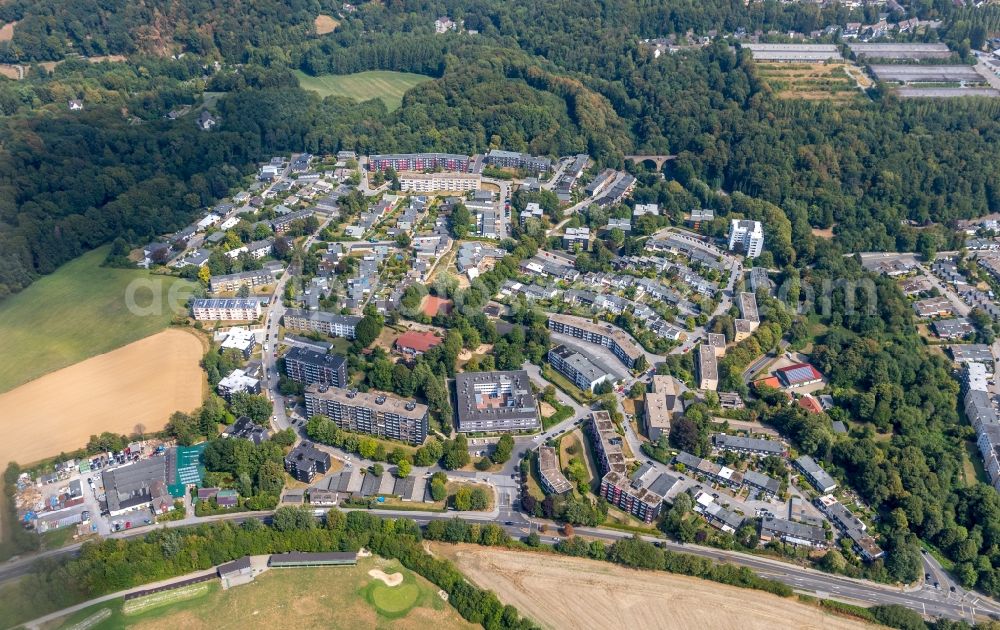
x=10, y=71
x=139, y=384
x=562, y=592
x=325, y=24
x=827, y=233
x=7, y=31
x=389, y=579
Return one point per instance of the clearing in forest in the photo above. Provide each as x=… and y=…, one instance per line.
x=812, y=81
x=363, y=86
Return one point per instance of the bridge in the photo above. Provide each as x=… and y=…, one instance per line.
x=658, y=160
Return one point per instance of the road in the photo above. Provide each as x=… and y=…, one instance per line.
x=926, y=599
x=961, y=308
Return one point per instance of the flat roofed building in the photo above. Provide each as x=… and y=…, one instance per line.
x=747, y=236
x=815, y=474
x=748, y=307
x=331, y=324
x=495, y=401
x=607, y=335
x=308, y=366
x=579, y=369
x=640, y=494
x=793, y=533
x=438, y=182
x=717, y=341
x=523, y=161
x=236, y=382
x=753, y=446
x=899, y=50
x=312, y=559
x=708, y=368
x=743, y=329
x=971, y=353
x=661, y=405
x=233, y=310
x=306, y=461
x=607, y=443
x=419, y=162
x=233, y=281
x=552, y=478
x=374, y=413
x=242, y=340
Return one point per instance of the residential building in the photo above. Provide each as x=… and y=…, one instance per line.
x=532, y=210
x=260, y=249
x=661, y=404
x=751, y=446
x=602, y=334
x=798, y=375
x=641, y=494
x=717, y=516
x=308, y=366
x=414, y=343
x=237, y=382
x=766, y=486
x=851, y=526
x=306, y=461
x=240, y=339
x=552, y=479
x=717, y=342
x=933, y=307
x=601, y=182
x=246, y=429
x=708, y=368
x=419, y=162
x=208, y=309
x=577, y=236
x=439, y=182
x=331, y=324
x=956, y=328
x=233, y=281
x=759, y=281
x=522, y=161
x=374, y=413
x=815, y=474
x=716, y=473
x=642, y=209
x=495, y=401
x=772, y=528
x=747, y=236
x=281, y=224
x=579, y=369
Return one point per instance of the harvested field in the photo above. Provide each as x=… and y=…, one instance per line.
x=325, y=24
x=7, y=31
x=139, y=384
x=10, y=71
x=811, y=81
x=562, y=592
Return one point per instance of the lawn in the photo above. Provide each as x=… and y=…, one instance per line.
x=75, y=313
x=363, y=86
x=331, y=597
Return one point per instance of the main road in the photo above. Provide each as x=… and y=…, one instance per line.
x=923, y=599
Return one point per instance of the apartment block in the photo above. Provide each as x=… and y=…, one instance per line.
x=419, y=162
x=309, y=366
x=374, y=413
x=708, y=368
x=495, y=401
x=229, y=310
x=747, y=236
x=579, y=369
x=660, y=406
x=523, y=161
x=439, y=182
x=330, y=324
x=602, y=334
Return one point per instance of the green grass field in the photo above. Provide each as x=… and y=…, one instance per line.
x=75, y=313
x=333, y=597
x=382, y=84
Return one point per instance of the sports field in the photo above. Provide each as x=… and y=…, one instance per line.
x=333, y=597
x=363, y=86
x=139, y=384
x=77, y=312
x=562, y=592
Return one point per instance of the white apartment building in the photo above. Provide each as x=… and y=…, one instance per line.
x=747, y=234
x=437, y=182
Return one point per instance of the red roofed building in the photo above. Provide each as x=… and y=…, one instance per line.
x=770, y=381
x=415, y=343
x=799, y=375
x=810, y=404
